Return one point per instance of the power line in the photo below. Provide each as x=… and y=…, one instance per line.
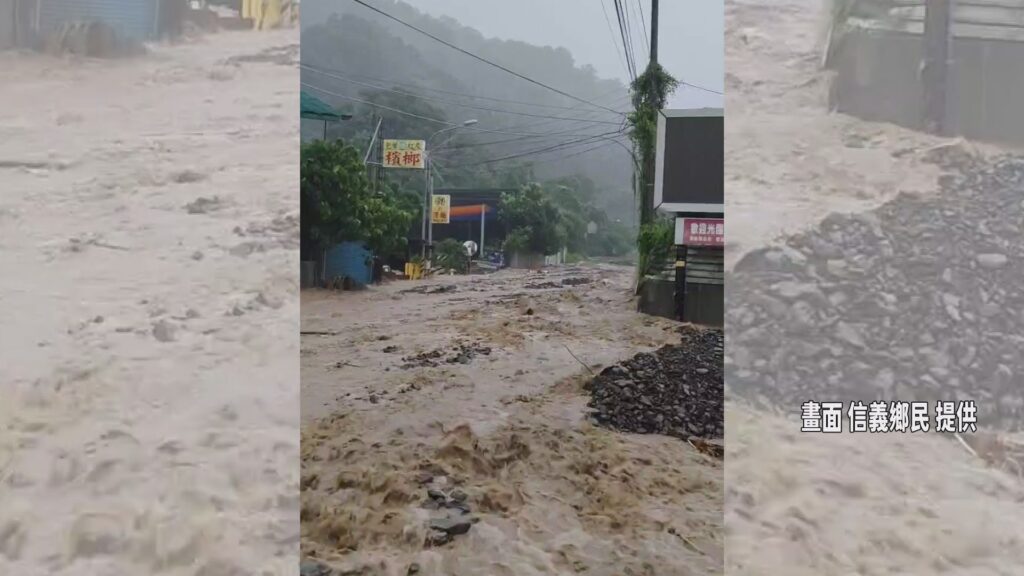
x=622, y=40
x=545, y=149
x=627, y=46
x=626, y=19
x=403, y=112
x=565, y=133
x=642, y=29
x=374, y=104
x=449, y=102
x=643, y=23
x=530, y=125
x=574, y=154
x=701, y=88
x=570, y=131
x=482, y=59
x=608, y=21
x=464, y=95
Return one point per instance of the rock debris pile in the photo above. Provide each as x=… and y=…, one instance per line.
x=921, y=299
x=451, y=515
x=676, y=391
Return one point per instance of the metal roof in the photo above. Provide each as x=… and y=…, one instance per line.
x=316, y=109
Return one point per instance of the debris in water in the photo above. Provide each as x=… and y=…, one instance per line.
x=164, y=331
x=203, y=205
x=461, y=354
x=431, y=289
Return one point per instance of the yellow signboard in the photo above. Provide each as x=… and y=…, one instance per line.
x=404, y=153
x=440, y=210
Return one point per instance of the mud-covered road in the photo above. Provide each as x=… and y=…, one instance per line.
x=471, y=388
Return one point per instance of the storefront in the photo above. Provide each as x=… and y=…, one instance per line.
x=689, y=185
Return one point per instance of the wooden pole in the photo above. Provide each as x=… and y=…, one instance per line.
x=935, y=68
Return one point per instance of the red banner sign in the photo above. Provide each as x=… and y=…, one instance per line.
x=701, y=231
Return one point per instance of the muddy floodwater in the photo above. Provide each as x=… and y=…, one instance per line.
x=465, y=394
x=149, y=310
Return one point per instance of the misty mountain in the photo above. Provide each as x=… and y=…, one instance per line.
x=350, y=51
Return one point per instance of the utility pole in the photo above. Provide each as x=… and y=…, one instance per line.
x=654, y=30
x=646, y=178
x=427, y=233
x=426, y=207
x=938, y=17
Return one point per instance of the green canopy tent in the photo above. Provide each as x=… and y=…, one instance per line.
x=314, y=108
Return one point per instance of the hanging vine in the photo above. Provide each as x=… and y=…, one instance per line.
x=650, y=91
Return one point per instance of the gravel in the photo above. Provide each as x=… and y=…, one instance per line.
x=920, y=299
x=676, y=391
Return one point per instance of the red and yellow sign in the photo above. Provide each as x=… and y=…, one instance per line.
x=404, y=154
x=700, y=231
x=440, y=208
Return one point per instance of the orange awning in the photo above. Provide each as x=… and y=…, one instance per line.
x=471, y=210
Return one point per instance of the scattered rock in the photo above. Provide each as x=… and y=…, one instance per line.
x=314, y=568
x=189, y=177
x=676, y=391
x=437, y=538
x=882, y=330
x=452, y=525
x=164, y=331
x=462, y=353
x=992, y=261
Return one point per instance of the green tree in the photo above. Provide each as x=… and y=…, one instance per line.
x=338, y=204
x=533, y=221
x=450, y=253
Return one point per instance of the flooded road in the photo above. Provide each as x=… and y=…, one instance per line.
x=149, y=310
x=473, y=384
x=800, y=503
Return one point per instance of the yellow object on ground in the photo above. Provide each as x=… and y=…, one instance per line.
x=271, y=14
x=413, y=271
x=265, y=14
x=251, y=9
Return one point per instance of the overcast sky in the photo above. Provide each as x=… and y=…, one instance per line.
x=690, y=35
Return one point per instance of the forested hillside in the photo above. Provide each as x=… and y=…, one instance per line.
x=524, y=131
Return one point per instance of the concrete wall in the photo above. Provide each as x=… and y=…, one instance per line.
x=878, y=79
x=526, y=261
x=658, y=298
x=531, y=261
x=7, y=37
